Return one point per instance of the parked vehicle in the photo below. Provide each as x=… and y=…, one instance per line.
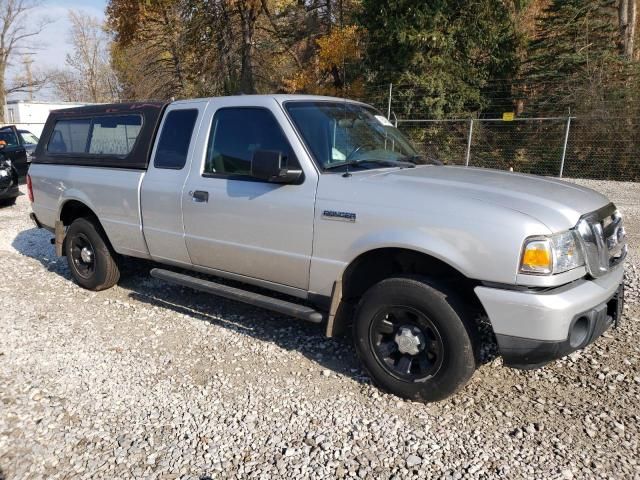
x=19, y=147
x=8, y=182
x=323, y=200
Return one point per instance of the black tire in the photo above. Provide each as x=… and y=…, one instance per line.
x=8, y=202
x=97, y=270
x=439, y=357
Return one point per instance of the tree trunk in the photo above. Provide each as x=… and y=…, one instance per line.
x=3, y=93
x=627, y=18
x=248, y=15
x=3, y=96
x=246, y=67
x=631, y=32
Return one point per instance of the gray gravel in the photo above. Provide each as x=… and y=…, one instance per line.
x=154, y=381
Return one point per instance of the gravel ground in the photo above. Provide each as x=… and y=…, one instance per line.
x=153, y=381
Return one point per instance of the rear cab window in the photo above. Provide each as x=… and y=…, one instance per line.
x=175, y=138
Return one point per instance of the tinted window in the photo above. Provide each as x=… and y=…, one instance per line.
x=175, y=138
x=70, y=136
x=114, y=135
x=238, y=132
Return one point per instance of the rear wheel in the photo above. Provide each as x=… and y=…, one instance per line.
x=412, y=337
x=91, y=260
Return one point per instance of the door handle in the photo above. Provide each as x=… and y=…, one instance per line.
x=200, y=196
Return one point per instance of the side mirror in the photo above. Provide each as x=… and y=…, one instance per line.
x=271, y=166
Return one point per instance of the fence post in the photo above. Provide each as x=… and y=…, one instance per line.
x=564, y=147
x=468, y=157
x=389, y=105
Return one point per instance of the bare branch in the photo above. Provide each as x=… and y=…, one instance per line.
x=88, y=76
x=14, y=31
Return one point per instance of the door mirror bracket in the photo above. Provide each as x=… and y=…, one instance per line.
x=272, y=166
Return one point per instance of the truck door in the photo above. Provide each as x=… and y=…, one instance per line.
x=236, y=223
x=13, y=149
x=162, y=185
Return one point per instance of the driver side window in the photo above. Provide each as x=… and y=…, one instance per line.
x=236, y=133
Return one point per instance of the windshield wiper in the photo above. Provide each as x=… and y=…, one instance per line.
x=352, y=163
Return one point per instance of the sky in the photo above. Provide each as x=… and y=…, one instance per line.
x=52, y=45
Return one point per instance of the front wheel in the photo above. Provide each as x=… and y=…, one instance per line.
x=90, y=258
x=412, y=337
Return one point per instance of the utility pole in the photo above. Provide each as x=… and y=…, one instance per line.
x=27, y=65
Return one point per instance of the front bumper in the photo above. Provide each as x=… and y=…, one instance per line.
x=534, y=328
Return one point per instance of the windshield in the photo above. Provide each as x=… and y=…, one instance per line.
x=28, y=137
x=343, y=132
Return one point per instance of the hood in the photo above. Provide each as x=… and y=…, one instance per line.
x=555, y=203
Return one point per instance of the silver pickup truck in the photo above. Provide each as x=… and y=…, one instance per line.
x=327, y=213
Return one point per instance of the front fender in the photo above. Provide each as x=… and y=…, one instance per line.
x=481, y=248
x=454, y=254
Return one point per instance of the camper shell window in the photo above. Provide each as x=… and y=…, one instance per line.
x=115, y=136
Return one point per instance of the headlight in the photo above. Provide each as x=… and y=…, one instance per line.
x=551, y=254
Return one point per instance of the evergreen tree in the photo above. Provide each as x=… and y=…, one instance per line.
x=575, y=54
x=445, y=51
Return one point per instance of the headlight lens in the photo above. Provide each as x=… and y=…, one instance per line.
x=552, y=254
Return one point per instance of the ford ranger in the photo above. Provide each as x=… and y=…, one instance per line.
x=320, y=209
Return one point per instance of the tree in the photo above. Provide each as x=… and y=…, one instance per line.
x=335, y=69
x=574, y=58
x=231, y=27
x=67, y=85
x=229, y=46
x=89, y=76
x=443, y=52
x=14, y=31
x=150, y=53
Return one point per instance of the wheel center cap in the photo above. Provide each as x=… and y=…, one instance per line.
x=86, y=255
x=409, y=340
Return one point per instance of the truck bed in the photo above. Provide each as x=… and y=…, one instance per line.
x=111, y=193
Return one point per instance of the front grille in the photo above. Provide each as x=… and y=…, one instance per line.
x=603, y=239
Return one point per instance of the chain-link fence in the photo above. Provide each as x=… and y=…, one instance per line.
x=554, y=146
x=596, y=137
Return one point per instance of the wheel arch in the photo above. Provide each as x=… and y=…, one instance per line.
x=373, y=266
x=73, y=208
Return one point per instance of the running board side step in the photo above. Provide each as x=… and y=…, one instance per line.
x=302, y=312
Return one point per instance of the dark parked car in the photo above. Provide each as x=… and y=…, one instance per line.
x=8, y=182
x=19, y=147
